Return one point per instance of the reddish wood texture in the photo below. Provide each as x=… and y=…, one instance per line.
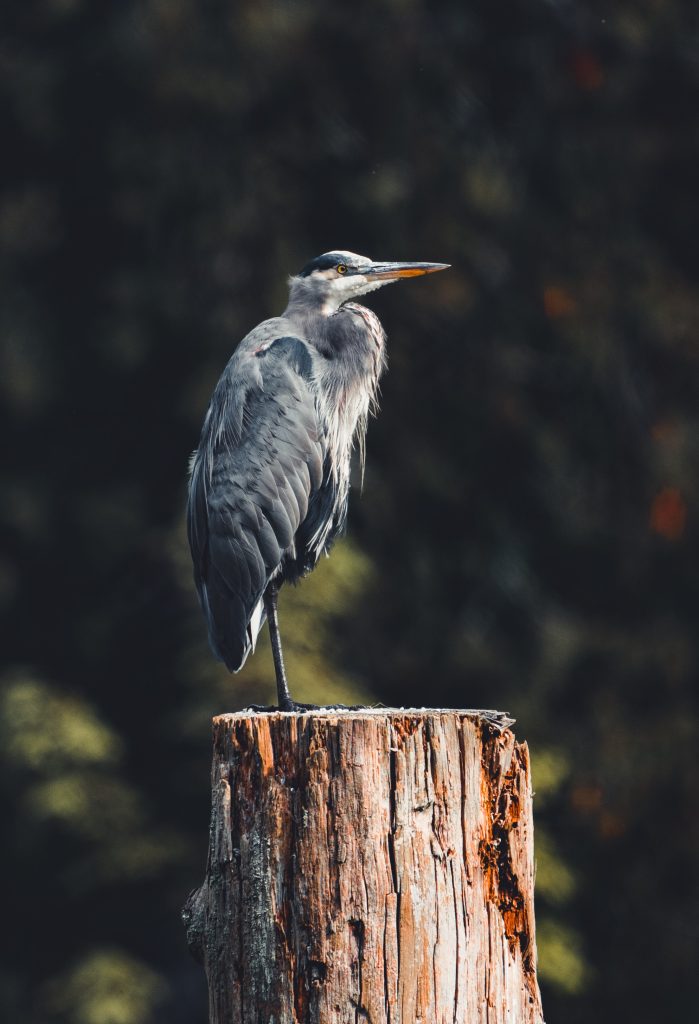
x=372, y=865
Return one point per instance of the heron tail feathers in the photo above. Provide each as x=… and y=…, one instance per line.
x=232, y=633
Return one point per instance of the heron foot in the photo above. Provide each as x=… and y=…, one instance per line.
x=285, y=706
x=293, y=705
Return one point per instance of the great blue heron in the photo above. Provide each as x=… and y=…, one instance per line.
x=270, y=479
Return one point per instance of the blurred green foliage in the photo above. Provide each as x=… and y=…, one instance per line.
x=75, y=734
x=561, y=963
x=106, y=987
x=527, y=536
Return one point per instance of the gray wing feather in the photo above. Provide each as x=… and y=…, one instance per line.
x=259, y=461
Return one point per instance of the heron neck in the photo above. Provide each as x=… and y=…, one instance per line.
x=308, y=319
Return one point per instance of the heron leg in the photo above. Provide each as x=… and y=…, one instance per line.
x=283, y=695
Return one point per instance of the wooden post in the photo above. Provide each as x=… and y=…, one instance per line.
x=368, y=866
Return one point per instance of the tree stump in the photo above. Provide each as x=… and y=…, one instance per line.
x=372, y=865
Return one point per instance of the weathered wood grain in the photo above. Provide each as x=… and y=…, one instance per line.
x=373, y=865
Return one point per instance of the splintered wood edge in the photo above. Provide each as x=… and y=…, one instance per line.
x=499, y=720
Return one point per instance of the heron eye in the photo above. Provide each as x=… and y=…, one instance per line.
x=341, y=268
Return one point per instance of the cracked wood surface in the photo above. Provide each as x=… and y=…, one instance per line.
x=368, y=866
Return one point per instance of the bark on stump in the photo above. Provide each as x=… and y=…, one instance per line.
x=372, y=865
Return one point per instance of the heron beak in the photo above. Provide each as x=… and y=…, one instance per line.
x=394, y=271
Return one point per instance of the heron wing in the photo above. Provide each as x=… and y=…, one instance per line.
x=259, y=464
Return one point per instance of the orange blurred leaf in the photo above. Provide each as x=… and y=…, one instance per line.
x=558, y=302
x=586, y=70
x=586, y=798
x=663, y=430
x=668, y=513
x=611, y=826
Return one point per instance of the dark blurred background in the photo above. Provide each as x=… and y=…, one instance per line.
x=527, y=537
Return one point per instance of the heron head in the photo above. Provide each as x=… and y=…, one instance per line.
x=339, y=276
